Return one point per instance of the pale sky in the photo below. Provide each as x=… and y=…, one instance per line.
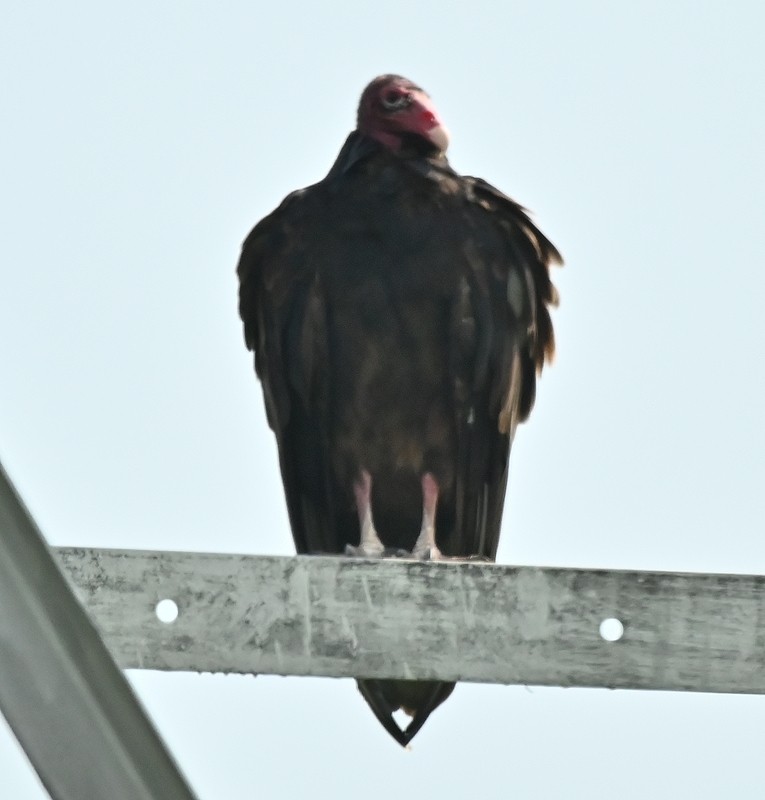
x=139, y=144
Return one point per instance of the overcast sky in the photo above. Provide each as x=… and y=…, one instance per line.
x=140, y=142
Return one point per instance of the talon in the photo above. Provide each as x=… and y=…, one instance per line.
x=365, y=550
x=431, y=554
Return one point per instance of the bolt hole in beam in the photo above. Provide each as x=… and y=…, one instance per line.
x=611, y=629
x=166, y=611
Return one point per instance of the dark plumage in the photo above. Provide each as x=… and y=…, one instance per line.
x=399, y=316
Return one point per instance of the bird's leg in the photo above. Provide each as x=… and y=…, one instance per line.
x=370, y=545
x=425, y=547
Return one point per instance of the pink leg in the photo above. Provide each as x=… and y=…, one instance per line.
x=425, y=546
x=370, y=545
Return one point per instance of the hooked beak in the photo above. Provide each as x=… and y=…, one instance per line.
x=430, y=125
x=439, y=136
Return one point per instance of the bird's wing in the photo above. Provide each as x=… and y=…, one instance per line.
x=282, y=307
x=502, y=335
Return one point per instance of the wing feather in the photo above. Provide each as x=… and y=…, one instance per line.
x=282, y=306
x=508, y=294
x=498, y=331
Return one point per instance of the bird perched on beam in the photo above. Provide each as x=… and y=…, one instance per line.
x=399, y=316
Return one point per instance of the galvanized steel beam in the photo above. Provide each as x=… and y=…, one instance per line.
x=343, y=617
x=65, y=699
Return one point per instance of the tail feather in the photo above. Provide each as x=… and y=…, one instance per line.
x=417, y=698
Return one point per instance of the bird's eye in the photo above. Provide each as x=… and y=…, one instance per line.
x=395, y=100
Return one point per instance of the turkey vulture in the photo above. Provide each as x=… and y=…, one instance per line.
x=399, y=316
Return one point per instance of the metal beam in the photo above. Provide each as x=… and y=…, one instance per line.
x=64, y=698
x=343, y=617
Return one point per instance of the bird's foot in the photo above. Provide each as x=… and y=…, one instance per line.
x=425, y=548
x=423, y=553
x=428, y=552
x=369, y=545
x=434, y=554
x=366, y=550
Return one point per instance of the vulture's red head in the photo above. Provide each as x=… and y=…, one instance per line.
x=397, y=113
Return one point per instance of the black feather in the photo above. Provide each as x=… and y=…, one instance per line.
x=399, y=314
